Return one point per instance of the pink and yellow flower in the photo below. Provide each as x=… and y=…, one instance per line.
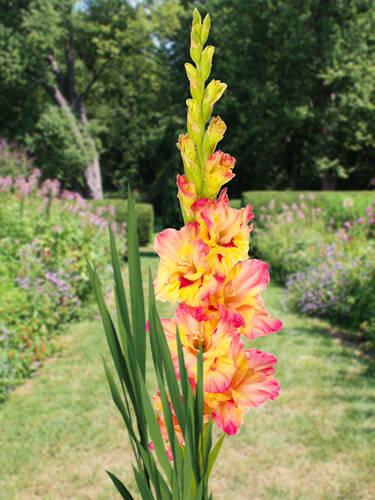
x=205, y=267
x=225, y=230
x=184, y=272
x=198, y=329
x=163, y=427
x=240, y=294
x=252, y=384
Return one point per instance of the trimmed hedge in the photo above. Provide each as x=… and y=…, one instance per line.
x=144, y=213
x=235, y=203
x=341, y=205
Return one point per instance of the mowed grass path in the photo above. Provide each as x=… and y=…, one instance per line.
x=60, y=430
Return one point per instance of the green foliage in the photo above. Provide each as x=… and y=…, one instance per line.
x=328, y=265
x=144, y=214
x=235, y=203
x=186, y=477
x=299, y=111
x=44, y=283
x=297, y=71
x=62, y=154
x=13, y=161
x=339, y=284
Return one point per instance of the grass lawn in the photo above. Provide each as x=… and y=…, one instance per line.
x=60, y=430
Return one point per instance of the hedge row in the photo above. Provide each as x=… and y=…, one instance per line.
x=341, y=205
x=144, y=213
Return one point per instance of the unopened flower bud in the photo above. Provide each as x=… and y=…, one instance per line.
x=218, y=171
x=213, y=92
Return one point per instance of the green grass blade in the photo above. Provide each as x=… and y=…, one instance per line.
x=214, y=454
x=109, y=328
x=199, y=494
x=155, y=347
x=143, y=486
x=118, y=401
x=175, y=447
x=198, y=402
x=163, y=489
x=154, y=430
x=170, y=375
x=128, y=352
x=152, y=470
x=124, y=410
x=120, y=290
x=207, y=445
x=121, y=488
x=118, y=358
x=175, y=488
x=187, y=475
x=136, y=289
x=187, y=392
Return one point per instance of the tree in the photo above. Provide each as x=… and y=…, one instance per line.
x=67, y=51
x=296, y=72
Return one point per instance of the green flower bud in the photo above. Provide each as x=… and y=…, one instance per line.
x=212, y=94
x=195, y=47
x=213, y=135
x=206, y=62
x=205, y=29
x=195, y=83
x=194, y=121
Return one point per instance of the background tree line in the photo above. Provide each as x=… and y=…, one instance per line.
x=95, y=90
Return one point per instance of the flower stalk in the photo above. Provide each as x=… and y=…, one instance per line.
x=205, y=375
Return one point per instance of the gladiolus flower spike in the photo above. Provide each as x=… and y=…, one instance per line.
x=205, y=375
x=205, y=268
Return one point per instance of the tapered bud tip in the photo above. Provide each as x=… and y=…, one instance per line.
x=192, y=75
x=205, y=28
x=217, y=127
x=196, y=17
x=214, y=91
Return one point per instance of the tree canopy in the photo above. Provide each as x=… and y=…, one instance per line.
x=95, y=90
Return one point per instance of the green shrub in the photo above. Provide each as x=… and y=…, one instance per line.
x=339, y=284
x=329, y=272
x=43, y=279
x=341, y=205
x=144, y=213
x=235, y=203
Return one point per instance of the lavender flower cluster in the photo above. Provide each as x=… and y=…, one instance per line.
x=50, y=189
x=328, y=268
x=44, y=284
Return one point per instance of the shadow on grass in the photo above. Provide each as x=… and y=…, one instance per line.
x=352, y=380
x=345, y=337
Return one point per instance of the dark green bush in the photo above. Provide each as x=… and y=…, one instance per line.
x=341, y=205
x=144, y=213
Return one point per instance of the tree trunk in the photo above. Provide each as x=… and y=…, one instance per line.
x=328, y=182
x=91, y=174
x=93, y=179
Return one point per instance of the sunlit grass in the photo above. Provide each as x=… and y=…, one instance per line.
x=60, y=430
